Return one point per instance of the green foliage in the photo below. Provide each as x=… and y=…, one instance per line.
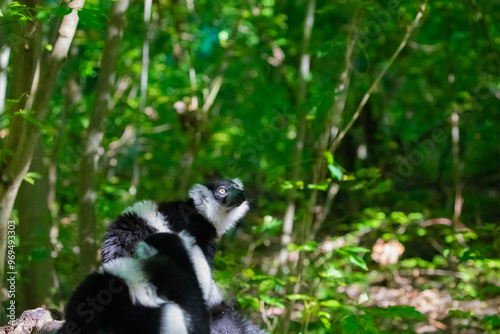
x=390, y=180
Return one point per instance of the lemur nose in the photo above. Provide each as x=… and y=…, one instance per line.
x=241, y=196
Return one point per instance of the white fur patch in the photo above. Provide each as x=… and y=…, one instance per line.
x=202, y=270
x=214, y=298
x=173, y=320
x=222, y=219
x=130, y=270
x=144, y=251
x=147, y=210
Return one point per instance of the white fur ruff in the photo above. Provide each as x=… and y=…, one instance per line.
x=147, y=210
x=221, y=218
x=141, y=291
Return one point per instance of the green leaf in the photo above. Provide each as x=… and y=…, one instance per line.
x=408, y=312
x=355, y=249
x=22, y=21
x=62, y=11
x=291, y=247
x=278, y=302
x=326, y=322
x=266, y=285
x=322, y=187
x=299, y=297
x=308, y=246
x=248, y=273
x=43, y=16
x=491, y=322
x=330, y=303
x=336, y=172
x=458, y=314
x=329, y=157
x=331, y=272
x=31, y=176
x=358, y=261
x=246, y=301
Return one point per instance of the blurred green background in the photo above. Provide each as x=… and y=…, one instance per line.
x=366, y=134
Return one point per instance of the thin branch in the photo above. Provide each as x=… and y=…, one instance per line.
x=335, y=144
x=216, y=84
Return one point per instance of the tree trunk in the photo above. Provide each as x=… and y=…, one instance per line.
x=34, y=236
x=95, y=133
x=25, y=47
x=301, y=132
x=288, y=221
x=23, y=134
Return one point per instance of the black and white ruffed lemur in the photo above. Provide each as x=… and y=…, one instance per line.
x=211, y=210
x=154, y=292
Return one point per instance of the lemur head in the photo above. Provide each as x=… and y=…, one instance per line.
x=221, y=202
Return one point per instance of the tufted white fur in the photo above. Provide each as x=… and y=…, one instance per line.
x=173, y=320
x=223, y=219
x=130, y=270
x=147, y=210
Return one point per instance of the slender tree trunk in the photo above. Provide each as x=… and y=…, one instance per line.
x=23, y=135
x=136, y=173
x=4, y=61
x=332, y=122
x=195, y=132
x=34, y=236
x=457, y=167
x=95, y=133
x=288, y=221
x=457, y=163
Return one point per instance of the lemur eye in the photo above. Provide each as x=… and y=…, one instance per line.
x=222, y=191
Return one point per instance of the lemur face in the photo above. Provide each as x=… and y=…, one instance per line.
x=227, y=193
x=222, y=202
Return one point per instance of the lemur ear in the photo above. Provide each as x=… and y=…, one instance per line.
x=144, y=251
x=239, y=183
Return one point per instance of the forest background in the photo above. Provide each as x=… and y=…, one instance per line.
x=366, y=133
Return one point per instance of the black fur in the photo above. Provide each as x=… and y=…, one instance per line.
x=182, y=216
x=126, y=232
x=129, y=229
x=170, y=271
x=123, y=234
x=226, y=320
